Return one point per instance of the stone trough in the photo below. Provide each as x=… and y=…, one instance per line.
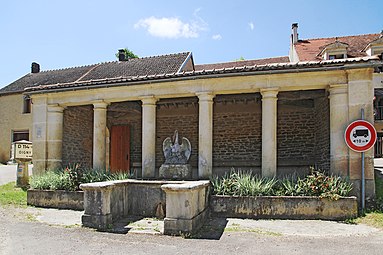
x=182, y=204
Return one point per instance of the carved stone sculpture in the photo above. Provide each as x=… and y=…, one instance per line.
x=174, y=152
x=177, y=155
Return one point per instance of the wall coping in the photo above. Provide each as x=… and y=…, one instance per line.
x=186, y=186
x=111, y=184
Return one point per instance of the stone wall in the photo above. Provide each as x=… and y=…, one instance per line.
x=302, y=131
x=12, y=119
x=237, y=133
x=323, y=133
x=178, y=116
x=78, y=136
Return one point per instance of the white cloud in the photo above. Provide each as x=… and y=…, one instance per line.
x=251, y=25
x=172, y=27
x=217, y=37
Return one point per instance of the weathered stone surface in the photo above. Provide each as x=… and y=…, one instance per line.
x=60, y=199
x=175, y=172
x=78, y=136
x=186, y=206
x=284, y=207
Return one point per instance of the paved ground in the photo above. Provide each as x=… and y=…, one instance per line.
x=8, y=173
x=49, y=231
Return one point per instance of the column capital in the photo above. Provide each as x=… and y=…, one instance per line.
x=55, y=108
x=269, y=92
x=100, y=104
x=148, y=100
x=337, y=89
x=205, y=95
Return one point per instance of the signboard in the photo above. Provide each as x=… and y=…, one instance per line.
x=360, y=136
x=22, y=150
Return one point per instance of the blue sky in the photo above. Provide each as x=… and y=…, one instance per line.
x=60, y=34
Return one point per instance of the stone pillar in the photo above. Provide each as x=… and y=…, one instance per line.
x=39, y=134
x=148, y=136
x=269, y=132
x=338, y=124
x=205, y=135
x=54, y=136
x=99, y=135
x=360, y=95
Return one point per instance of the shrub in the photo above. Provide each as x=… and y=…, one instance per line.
x=71, y=177
x=238, y=183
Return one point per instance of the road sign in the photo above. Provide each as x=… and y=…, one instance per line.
x=360, y=136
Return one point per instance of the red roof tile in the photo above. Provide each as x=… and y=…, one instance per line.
x=309, y=49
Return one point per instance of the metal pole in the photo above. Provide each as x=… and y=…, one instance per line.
x=363, y=181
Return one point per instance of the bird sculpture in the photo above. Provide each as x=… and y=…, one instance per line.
x=175, y=153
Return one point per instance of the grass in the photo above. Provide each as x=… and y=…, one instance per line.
x=10, y=195
x=374, y=218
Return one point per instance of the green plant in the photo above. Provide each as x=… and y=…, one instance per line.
x=11, y=195
x=71, y=177
x=238, y=183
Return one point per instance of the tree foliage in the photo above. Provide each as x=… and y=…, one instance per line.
x=128, y=54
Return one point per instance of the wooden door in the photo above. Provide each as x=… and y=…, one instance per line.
x=120, y=149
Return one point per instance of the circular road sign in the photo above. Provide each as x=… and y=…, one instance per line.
x=360, y=135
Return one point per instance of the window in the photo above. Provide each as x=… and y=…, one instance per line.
x=27, y=104
x=336, y=56
x=20, y=135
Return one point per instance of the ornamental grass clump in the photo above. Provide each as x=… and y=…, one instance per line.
x=71, y=177
x=317, y=183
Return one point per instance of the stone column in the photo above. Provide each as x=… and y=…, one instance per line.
x=269, y=132
x=54, y=136
x=338, y=123
x=148, y=136
x=99, y=135
x=205, y=135
x=360, y=95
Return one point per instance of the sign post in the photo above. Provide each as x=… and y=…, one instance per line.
x=22, y=153
x=360, y=136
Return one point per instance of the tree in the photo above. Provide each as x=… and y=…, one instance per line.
x=128, y=54
x=240, y=59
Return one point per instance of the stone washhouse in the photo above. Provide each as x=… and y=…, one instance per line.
x=272, y=116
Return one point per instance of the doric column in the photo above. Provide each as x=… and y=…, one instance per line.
x=148, y=136
x=269, y=132
x=99, y=134
x=205, y=135
x=54, y=136
x=338, y=123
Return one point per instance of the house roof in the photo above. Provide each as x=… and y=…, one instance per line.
x=156, y=65
x=232, y=71
x=309, y=49
x=241, y=63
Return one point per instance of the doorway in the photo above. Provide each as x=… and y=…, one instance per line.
x=120, y=149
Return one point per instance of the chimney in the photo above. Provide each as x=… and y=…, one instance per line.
x=35, y=68
x=121, y=55
x=294, y=33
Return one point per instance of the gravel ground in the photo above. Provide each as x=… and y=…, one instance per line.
x=49, y=231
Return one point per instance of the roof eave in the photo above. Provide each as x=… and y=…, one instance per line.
x=328, y=65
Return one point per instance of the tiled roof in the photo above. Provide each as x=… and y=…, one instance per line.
x=309, y=49
x=118, y=69
x=241, y=63
x=47, y=77
x=255, y=69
